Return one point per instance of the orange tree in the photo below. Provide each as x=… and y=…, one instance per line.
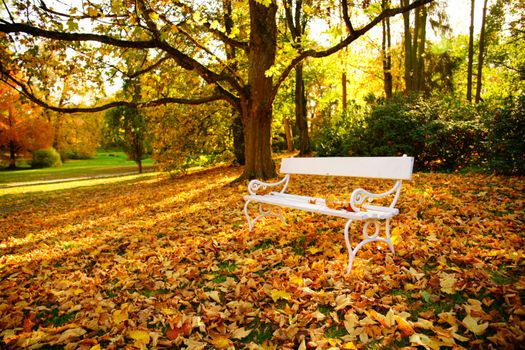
x=21, y=128
x=233, y=46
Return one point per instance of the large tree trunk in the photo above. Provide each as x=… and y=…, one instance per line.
x=257, y=117
x=300, y=111
x=257, y=106
x=481, y=53
x=470, y=52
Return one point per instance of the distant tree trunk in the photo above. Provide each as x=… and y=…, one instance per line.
x=386, y=53
x=139, y=152
x=420, y=60
x=296, y=24
x=408, y=49
x=300, y=111
x=236, y=127
x=344, y=97
x=238, y=140
x=288, y=134
x=418, y=48
x=481, y=53
x=470, y=52
x=12, y=155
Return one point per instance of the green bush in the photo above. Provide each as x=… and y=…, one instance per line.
x=506, y=139
x=46, y=158
x=441, y=134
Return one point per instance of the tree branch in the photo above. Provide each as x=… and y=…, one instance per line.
x=346, y=18
x=25, y=91
x=182, y=59
x=104, y=39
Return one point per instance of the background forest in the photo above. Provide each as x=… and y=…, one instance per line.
x=438, y=83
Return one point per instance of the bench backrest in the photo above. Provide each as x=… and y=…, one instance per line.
x=399, y=168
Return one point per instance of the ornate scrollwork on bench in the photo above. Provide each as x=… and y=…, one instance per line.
x=361, y=197
x=256, y=185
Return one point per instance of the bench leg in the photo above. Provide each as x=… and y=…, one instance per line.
x=272, y=211
x=367, y=238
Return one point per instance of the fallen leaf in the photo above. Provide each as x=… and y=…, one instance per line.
x=447, y=283
x=221, y=342
x=471, y=323
x=279, y=294
x=240, y=333
x=139, y=336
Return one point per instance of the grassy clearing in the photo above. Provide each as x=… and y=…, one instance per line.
x=103, y=163
x=51, y=187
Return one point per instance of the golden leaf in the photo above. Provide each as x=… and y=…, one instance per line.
x=240, y=333
x=471, y=323
x=279, y=294
x=71, y=334
x=121, y=315
x=404, y=326
x=447, y=283
x=220, y=342
x=139, y=336
x=214, y=295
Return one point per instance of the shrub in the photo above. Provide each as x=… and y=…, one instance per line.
x=506, y=138
x=46, y=158
x=441, y=134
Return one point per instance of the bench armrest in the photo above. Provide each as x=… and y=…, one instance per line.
x=360, y=195
x=256, y=185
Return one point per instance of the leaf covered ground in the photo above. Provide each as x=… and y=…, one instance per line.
x=169, y=263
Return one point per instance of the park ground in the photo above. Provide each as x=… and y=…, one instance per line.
x=158, y=262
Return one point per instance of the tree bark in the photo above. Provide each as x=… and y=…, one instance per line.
x=257, y=122
x=256, y=105
x=481, y=53
x=470, y=52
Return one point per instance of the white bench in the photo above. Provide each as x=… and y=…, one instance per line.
x=360, y=202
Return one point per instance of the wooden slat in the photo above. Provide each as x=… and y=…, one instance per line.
x=399, y=168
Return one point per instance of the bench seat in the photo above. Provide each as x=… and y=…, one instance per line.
x=305, y=203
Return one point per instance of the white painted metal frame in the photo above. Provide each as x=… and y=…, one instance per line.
x=360, y=200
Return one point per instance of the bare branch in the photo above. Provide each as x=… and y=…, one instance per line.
x=346, y=18
x=26, y=91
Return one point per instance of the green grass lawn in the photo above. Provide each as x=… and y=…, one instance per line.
x=103, y=163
